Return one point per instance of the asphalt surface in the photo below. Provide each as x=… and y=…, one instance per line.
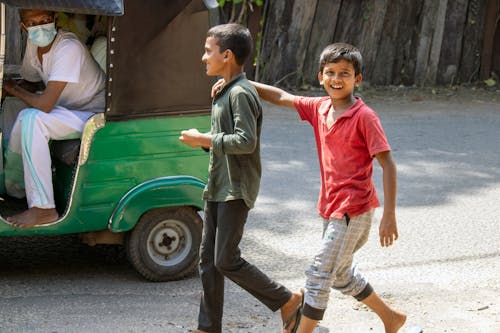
x=444, y=270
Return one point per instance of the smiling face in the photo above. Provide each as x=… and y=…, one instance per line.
x=214, y=60
x=339, y=79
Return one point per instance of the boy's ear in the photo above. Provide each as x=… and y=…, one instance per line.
x=357, y=79
x=320, y=77
x=228, y=54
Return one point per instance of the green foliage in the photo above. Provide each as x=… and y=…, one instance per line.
x=222, y=3
x=238, y=10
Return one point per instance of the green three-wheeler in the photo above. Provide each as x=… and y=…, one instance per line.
x=129, y=180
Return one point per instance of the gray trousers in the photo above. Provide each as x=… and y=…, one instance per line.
x=220, y=257
x=332, y=266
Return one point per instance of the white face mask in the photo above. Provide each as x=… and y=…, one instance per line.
x=42, y=35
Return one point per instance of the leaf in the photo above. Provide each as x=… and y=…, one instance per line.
x=237, y=1
x=490, y=82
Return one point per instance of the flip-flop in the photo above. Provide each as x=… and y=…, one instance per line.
x=297, y=314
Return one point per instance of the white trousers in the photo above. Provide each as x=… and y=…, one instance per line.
x=28, y=170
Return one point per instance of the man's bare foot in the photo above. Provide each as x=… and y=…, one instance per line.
x=397, y=321
x=290, y=309
x=33, y=216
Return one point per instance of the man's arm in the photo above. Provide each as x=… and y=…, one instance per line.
x=388, y=229
x=45, y=101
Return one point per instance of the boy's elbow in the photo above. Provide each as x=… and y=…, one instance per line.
x=248, y=146
x=243, y=146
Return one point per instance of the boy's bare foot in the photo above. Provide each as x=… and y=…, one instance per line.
x=290, y=309
x=397, y=321
x=33, y=216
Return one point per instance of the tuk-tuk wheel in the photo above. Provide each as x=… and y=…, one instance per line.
x=164, y=244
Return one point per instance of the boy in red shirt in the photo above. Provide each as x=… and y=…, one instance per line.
x=348, y=136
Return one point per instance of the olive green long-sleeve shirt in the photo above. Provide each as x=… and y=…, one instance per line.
x=235, y=167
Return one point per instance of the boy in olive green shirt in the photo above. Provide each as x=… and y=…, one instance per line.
x=233, y=183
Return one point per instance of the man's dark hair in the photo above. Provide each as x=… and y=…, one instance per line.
x=22, y=12
x=341, y=51
x=234, y=37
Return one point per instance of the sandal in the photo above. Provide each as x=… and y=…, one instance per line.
x=295, y=316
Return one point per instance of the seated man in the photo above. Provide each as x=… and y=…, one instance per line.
x=74, y=91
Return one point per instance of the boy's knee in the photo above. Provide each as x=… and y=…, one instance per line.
x=226, y=264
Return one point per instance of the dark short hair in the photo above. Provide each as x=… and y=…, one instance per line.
x=22, y=12
x=234, y=37
x=341, y=51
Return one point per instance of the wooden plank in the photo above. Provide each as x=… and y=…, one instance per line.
x=451, y=46
x=322, y=32
x=349, y=23
x=277, y=16
x=407, y=39
x=395, y=61
x=437, y=40
x=286, y=36
x=374, y=14
x=426, y=29
x=490, y=26
x=470, y=60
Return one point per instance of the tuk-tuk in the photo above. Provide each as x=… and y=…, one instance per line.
x=129, y=180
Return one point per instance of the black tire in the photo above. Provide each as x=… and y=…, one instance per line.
x=164, y=244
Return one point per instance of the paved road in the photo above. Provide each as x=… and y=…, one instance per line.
x=444, y=270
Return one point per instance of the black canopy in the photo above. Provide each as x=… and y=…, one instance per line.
x=154, y=59
x=95, y=7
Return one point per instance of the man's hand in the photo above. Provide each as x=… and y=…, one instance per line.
x=8, y=86
x=388, y=230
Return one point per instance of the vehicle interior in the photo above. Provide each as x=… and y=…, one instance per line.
x=145, y=79
x=91, y=30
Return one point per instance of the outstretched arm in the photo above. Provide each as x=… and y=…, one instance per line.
x=388, y=229
x=266, y=92
x=274, y=95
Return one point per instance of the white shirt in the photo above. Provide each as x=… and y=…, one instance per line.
x=68, y=60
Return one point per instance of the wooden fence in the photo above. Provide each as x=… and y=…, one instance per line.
x=417, y=42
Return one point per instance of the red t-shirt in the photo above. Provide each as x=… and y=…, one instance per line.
x=345, y=152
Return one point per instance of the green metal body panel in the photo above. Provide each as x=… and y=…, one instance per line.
x=157, y=193
x=126, y=169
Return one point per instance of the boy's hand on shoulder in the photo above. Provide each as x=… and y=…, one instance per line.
x=217, y=87
x=388, y=230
